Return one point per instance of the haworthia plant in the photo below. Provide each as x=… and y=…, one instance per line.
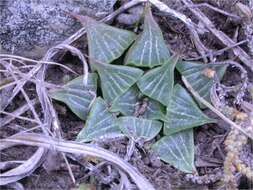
x=77, y=96
x=130, y=104
x=142, y=99
x=116, y=79
x=105, y=43
x=138, y=128
x=100, y=123
x=183, y=113
x=177, y=150
x=158, y=83
x=149, y=49
x=201, y=76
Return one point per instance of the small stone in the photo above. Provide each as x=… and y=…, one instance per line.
x=155, y=162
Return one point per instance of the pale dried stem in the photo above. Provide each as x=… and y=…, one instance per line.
x=187, y=21
x=16, y=113
x=7, y=57
x=244, y=76
x=8, y=85
x=24, y=169
x=214, y=9
x=78, y=148
x=69, y=168
x=20, y=84
x=218, y=52
x=13, y=115
x=53, y=51
x=212, y=108
x=239, y=52
x=50, y=116
x=8, y=67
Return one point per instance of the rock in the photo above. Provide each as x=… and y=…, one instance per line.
x=30, y=27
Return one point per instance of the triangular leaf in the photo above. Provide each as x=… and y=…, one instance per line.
x=127, y=102
x=106, y=43
x=139, y=128
x=201, y=76
x=116, y=79
x=130, y=102
x=149, y=49
x=183, y=113
x=155, y=110
x=177, y=150
x=77, y=96
x=100, y=123
x=158, y=83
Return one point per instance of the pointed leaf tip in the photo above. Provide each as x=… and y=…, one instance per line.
x=200, y=76
x=149, y=49
x=77, y=96
x=139, y=128
x=127, y=102
x=81, y=18
x=158, y=83
x=116, y=79
x=130, y=102
x=183, y=113
x=177, y=150
x=100, y=123
x=106, y=43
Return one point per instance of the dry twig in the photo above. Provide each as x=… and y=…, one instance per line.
x=213, y=8
x=77, y=148
x=187, y=21
x=212, y=108
x=239, y=52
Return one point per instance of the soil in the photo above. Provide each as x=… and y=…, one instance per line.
x=209, y=138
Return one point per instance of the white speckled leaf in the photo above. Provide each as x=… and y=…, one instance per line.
x=116, y=79
x=195, y=75
x=100, y=123
x=139, y=128
x=149, y=49
x=183, y=113
x=77, y=96
x=106, y=43
x=177, y=150
x=128, y=103
x=158, y=83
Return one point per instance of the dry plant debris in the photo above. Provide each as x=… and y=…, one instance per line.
x=128, y=92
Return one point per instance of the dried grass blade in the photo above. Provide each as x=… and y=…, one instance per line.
x=80, y=148
x=24, y=169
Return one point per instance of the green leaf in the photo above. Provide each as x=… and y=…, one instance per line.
x=201, y=76
x=127, y=102
x=77, y=96
x=155, y=110
x=149, y=49
x=158, y=83
x=139, y=128
x=183, y=113
x=116, y=79
x=177, y=150
x=130, y=102
x=100, y=123
x=105, y=43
